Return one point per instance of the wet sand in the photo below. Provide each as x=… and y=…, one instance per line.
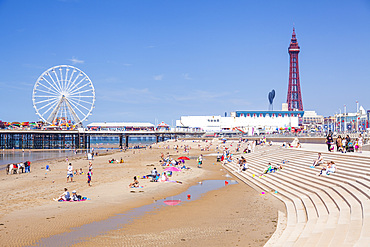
x=234, y=215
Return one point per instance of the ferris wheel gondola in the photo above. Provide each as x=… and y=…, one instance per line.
x=63, y=94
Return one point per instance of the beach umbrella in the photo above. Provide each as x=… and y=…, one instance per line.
x=172, y=202
x=172, y=169
x=183, y=158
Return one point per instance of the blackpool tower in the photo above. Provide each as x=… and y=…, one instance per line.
x=294, y=98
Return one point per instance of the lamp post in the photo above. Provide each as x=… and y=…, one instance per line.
x=357, y=115
x=340, y=120
x=345, y=118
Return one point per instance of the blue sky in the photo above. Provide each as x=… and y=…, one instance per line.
x=163, y=59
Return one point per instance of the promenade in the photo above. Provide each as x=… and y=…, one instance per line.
x=323, y=210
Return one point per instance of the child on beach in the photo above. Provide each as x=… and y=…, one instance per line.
x=90, y=166
x=75, y=197
x=356, y=145
x=89, y=173
x=70, y=172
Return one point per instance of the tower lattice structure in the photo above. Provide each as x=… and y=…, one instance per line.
x=294, y=98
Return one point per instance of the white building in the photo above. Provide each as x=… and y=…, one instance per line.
x=249, y=122
x=351, y=121
x=310, y=118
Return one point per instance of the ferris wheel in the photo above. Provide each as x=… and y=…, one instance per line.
x=63, y=95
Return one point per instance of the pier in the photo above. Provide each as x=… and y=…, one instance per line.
x=78, y=139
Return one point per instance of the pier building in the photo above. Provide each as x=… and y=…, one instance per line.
x=120, y=126
x=81, y=138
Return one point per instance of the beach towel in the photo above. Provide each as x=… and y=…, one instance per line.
x=82, y=200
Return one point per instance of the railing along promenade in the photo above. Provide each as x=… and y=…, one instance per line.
x=51, y=139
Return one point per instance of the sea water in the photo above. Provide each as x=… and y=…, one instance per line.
x=9, y=156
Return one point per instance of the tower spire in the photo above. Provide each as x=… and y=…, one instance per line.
x=294, y=98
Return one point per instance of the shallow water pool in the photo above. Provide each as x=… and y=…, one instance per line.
x=80, y=234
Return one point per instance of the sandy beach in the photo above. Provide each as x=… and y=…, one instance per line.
x=235, y=215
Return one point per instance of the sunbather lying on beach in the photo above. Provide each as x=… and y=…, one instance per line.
x=184, y=167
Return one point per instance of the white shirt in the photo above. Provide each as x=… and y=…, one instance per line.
x=70, y=169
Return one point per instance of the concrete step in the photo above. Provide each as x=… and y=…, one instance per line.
x=340, y=201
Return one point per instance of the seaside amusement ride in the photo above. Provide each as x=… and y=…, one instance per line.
x=63, y=96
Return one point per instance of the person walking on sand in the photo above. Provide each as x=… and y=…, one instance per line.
x=90, y=166
x=70, y=172
x=89, y=173
x=200, y=159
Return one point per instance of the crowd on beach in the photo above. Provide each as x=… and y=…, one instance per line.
x=226, y=151
x=170, y=165
x=71, y=173
x=326, y=167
